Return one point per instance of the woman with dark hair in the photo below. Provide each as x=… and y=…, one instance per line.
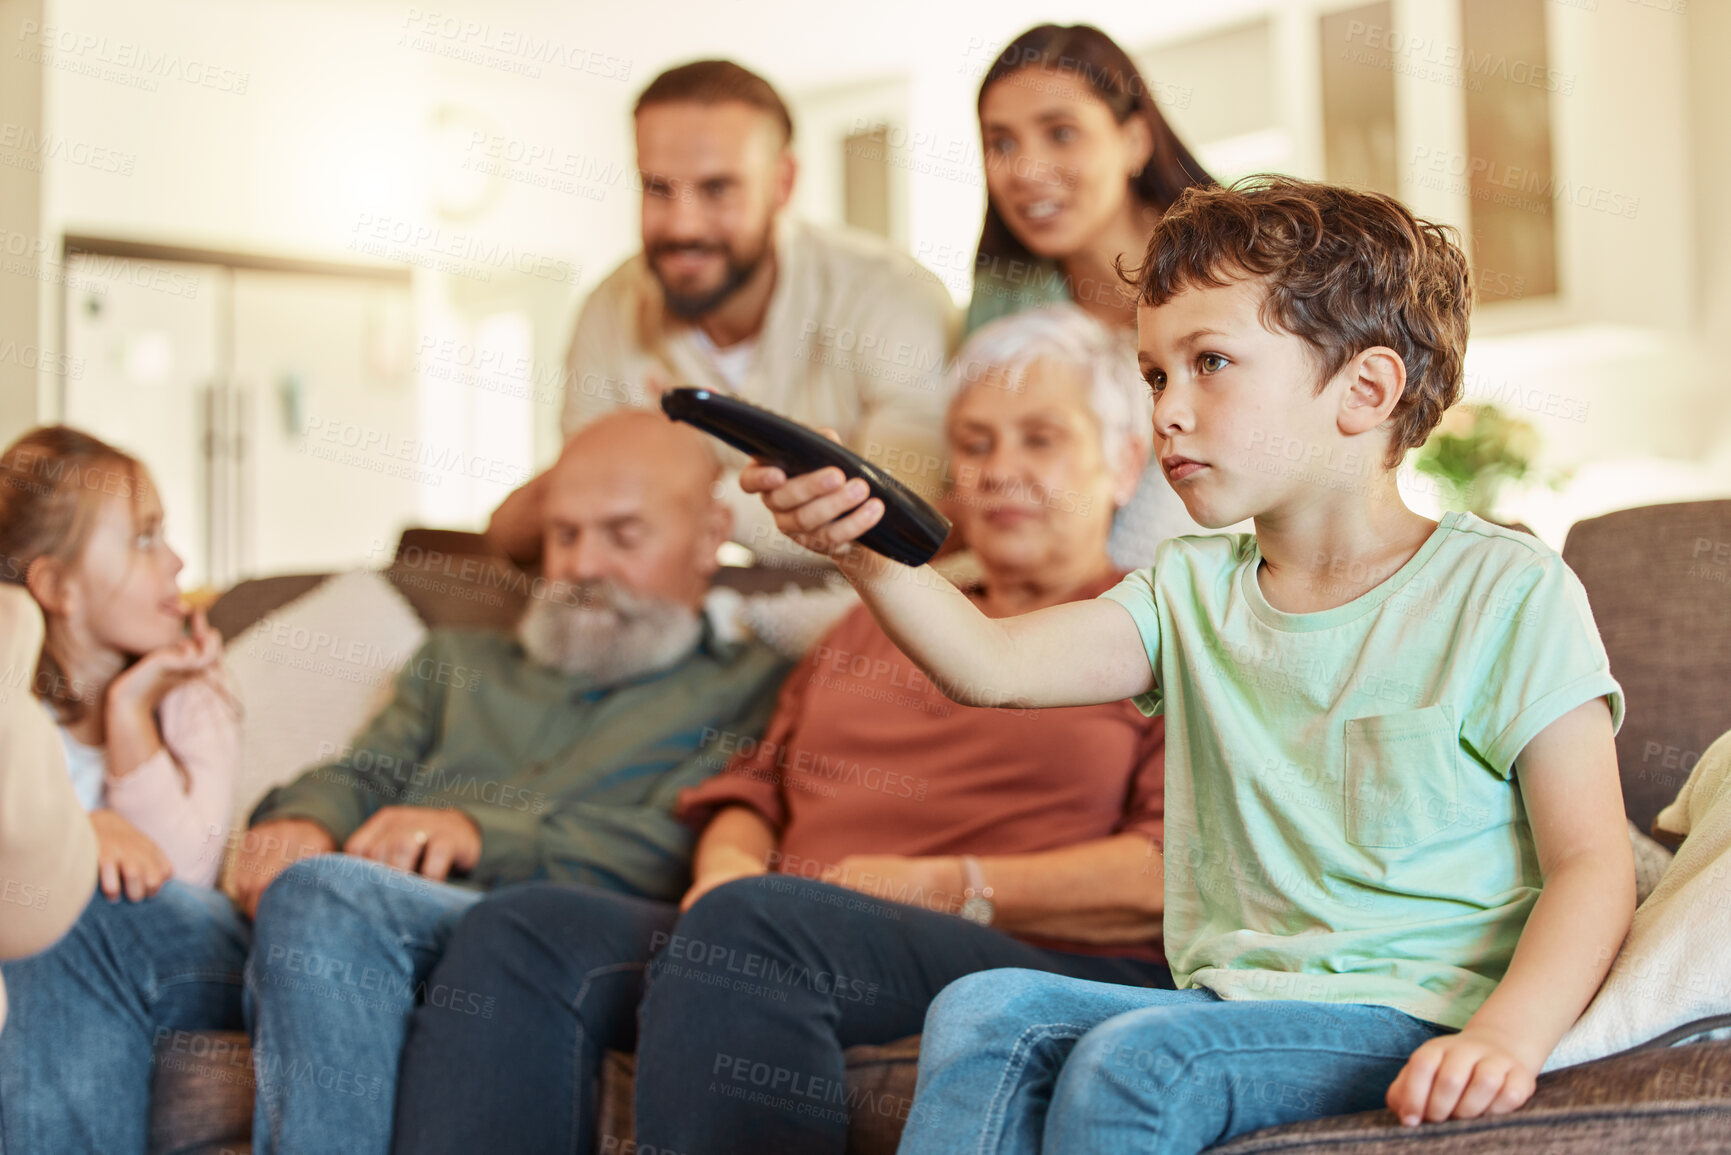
x=1079, y=166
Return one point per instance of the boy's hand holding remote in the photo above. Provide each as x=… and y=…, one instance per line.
x=1393, y=785
x=1031, y=660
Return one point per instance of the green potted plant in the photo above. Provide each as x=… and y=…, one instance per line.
x=1473, y=451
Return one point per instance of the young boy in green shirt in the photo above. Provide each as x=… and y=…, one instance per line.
x=1396, y=866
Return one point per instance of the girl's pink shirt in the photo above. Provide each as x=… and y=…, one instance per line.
x=187, y=816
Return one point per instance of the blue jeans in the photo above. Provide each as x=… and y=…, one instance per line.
x=87, y=1013
x=1018, y=1061
x=342, y=949
x=561, y=968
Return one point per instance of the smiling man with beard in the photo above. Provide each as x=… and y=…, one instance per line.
x=559, y=757
x=730, y=292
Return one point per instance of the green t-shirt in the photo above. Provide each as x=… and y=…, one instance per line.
x=1008, y=286
x=1342, y=819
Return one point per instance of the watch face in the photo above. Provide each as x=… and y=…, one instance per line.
x=977, y=909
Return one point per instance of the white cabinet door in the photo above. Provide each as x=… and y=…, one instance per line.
x=276, y=410
x=334, y=465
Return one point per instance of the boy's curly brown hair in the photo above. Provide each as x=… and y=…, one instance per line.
x=1346, y=270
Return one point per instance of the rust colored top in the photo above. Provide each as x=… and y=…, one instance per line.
x=864, y=755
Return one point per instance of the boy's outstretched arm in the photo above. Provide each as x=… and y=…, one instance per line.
x=1074, y=654
x=1568, y=778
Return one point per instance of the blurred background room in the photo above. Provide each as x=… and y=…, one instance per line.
x=318, y=262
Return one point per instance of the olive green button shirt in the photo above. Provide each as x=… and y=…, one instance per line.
x=566, y=779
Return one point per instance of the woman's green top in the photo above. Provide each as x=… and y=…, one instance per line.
x=1009, y=285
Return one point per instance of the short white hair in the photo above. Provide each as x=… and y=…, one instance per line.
x=1065, y=334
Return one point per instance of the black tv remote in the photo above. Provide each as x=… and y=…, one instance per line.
x=910, y=531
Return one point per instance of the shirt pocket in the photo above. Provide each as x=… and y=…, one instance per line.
x=1402, y=777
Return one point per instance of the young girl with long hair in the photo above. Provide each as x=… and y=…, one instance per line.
x=133, y=684
x=133, y=680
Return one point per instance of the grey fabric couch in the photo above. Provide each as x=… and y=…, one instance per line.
x=1659, y=580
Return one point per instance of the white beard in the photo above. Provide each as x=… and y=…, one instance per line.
x=606, y=632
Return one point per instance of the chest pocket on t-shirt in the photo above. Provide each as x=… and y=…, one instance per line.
x=1402, y=776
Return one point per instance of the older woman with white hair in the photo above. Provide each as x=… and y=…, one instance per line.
x=1115, y=402
x=877, y=843
x=1104, y=364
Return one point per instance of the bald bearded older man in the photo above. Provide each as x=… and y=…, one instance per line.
x=562, y=763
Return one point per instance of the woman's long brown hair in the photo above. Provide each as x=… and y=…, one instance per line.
x=1087, y=53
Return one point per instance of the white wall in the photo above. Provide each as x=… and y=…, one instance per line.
x=24, y=331
x=1709, y=39
x=1636, y=344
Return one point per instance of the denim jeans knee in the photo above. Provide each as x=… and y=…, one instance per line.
x=984, y=1007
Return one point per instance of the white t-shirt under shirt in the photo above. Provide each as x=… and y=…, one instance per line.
x=87, y=766
x=732, y=363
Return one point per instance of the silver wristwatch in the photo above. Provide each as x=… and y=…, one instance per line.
x=976, y=896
